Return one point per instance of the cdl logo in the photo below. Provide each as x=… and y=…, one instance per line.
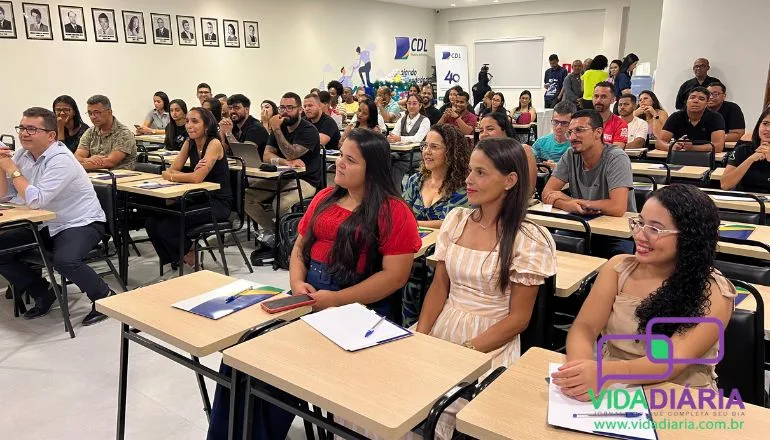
x=406, y=46
x=445, y=55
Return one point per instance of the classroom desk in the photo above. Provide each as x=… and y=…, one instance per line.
x=121, y=176
x=21, y=213
x=169, y=192
x=730, y=145
x=151, y=138
x=750, y=304
x=571, y=270
x=259, y=174
x=718, y=173
x=686, y=172
x=374, y=392
x=149, y=310
x=427, y=241
x=515, y=406
x=660, y=154
x=636, y=153
x=725, y=202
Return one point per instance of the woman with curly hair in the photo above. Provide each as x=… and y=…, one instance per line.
x=671, y=275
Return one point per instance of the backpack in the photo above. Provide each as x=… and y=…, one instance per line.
x=287, y=235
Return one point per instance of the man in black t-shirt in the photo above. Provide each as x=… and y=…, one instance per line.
x=699, y=124
x=700, y=68
x=294, y=142
x=242, y=127
x=328, y=131
x=426, y=95
x=735, y=124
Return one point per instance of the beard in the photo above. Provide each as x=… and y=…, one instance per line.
x=289, y=121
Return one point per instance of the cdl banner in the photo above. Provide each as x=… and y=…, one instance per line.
x=451, y=68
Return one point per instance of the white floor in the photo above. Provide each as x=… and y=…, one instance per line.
x=54, y=387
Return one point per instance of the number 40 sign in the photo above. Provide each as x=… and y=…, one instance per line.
x=452, y=77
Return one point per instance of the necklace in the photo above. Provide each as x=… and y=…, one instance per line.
x=478, y=222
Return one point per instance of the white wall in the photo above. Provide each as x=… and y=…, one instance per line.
x=572, y=29
x=730, y=36
x=303, y=44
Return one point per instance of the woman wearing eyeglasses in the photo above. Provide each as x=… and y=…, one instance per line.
x=671, y=275
x=411, y=127
x=69, y=125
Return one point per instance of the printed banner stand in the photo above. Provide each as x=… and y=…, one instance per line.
x=451, y=69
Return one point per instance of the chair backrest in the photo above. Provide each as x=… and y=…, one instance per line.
x=288, y=229
x=238, y=186
x=643, y=187
x=543, y=174
x=108, y=196
x=757, y=273
x=148, y=167
x=742, y=366
x=8, y=140
x=577, y=242
x=693, y=158
x=757, y=218
x=660, y=180
x=539, y=332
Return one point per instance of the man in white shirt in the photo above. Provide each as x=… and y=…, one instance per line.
x=637, y=127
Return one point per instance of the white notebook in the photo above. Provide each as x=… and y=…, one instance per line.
x=347, y=325
x=562, y=410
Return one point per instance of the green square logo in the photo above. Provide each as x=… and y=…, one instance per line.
x=659, y=349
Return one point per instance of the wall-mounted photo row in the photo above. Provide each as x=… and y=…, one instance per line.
x=73, y=25
x=232, y=29
x=133, y=27
x=210, y=29
x=161, y=29
x=185, y=26
x=104, y=25
x=7, y=22
x=37, y=21
x=251, y=34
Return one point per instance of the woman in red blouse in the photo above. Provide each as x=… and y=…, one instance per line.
x=357, y=240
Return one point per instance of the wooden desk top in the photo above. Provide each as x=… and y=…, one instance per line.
x=515, y=406
x=149, y=310
x=387, y=389
x=151, y=138
x=760, y=233
x=121, y=176
x=635, y=152
x=256, y=172
x=730, y=145
x=604, y=225
x=405, y=147
x=169, y=192
x=686, y=172
x=717, y=174
x=20, y=212
x=750, y=304
x=571, y=270
x=660, y=154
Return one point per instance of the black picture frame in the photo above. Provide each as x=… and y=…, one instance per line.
x=44, y=32
x=164, y=39
x=103, y=37
x=247, y=43
x=205, y=41
x=226, y=38
x=8, y=25
x=182, y=35
x=128, y=16
x=70, y=31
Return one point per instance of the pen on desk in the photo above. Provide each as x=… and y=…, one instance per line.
x=371, y=330
x=232, y=298
x=627, y=414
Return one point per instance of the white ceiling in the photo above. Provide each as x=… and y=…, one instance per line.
x=446, y=4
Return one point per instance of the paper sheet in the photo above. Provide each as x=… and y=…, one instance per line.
x=346, y=326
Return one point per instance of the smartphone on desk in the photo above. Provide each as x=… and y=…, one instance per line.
x=288, y=303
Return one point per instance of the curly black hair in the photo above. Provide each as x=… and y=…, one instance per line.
x=686, y=292
x=458, y=155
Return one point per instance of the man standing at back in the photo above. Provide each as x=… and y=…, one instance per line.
x=700, y=68
x=203, y=92
x=108, y=144
x=553, y=81
x=572, y=90
x=241, y=127
x=735, y=124
x=615, y=128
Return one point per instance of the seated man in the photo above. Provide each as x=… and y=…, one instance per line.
x=550, y=148
x=428, y=104
x=387, y=106
x=599, y=178
x=694, y=127
x=242, y=127
x=108, y=144
x=349, y=101
x=44, y=174
x=328, y=131
x=293, y=142
x=615, y=129
x=637, y=127
x=459, y=116
x=735, y=124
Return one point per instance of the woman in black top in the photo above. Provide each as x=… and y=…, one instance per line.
x=749, y=165
x=69, y=125
x=208, y=159
x=176, y=133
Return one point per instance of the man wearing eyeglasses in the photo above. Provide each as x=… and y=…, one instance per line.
x=735, y=123
x=550, y=148
x=294, y=142
x=44, y=174
x=700, y=68
x=108, y=144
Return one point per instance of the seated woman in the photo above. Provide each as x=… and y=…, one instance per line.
x=356, y=243
x=491, y=262
x=433, y=192
x=208, y=159
x=671, y=274
x=497, y=125
x=485, y=105
x=650, y=110
x=268, y=109
x=366, y=118
x=69, y=125
x=411, y=127
x=749, y=166
x=156, y=121
x=414, y=89
x=176, y=133
x=524, y=113
x=498, y=103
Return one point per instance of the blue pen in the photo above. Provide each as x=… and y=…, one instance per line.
x=628, y=415
x=236, y=296
x=371, y=330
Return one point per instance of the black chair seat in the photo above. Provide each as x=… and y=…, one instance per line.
x=207, y=228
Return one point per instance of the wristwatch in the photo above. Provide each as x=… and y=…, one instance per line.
x=469, y=344
x=15, y=174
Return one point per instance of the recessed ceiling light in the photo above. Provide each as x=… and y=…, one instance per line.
x=495, y=1
x=453, y=5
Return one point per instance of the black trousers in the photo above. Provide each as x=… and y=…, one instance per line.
x=551, y=102
x=68, y=247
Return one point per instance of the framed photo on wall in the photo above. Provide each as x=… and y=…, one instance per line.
x=104, y=25
x=7, y=20
x=133, y=27
x=37, y=21
x=185, y=26
x=73, y=25
x=210, y=30
x=251, y=34
x=231, y=30
x=161, y=29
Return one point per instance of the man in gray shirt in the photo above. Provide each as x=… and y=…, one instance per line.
x=572, y=91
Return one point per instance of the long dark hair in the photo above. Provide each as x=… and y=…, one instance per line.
x=360, y=232
x=503, y=122
x=508, y=156
x=209, y=121
x=755, y=137
x=627, y=62
x=272, y=105
x=599, y=62
x=529, y=105
x=216, y=109
x=686, y=292
x=501, y=109
x=458, y=156
x=77, y=120
x=373, y=119
x=163, y=97
x=655, y=101
x=172, y=128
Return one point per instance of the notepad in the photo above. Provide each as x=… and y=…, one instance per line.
x=561, y=410
x=732, y=198
x=117, y=176
x=332, y=152
x=347, y=325
x=663, y=167
x=742, y=294
x=156, y=185
x=740, y=232
x=424, y=232
x=214, y=305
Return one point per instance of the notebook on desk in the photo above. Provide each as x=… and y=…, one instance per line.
x=227, y=299
x=117, y=176
x=740, y=232
x=157, y=185
x=348, y=325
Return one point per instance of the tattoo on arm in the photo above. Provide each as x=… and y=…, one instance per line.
x=290, y=151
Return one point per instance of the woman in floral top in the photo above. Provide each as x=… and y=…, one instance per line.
x=435, y=190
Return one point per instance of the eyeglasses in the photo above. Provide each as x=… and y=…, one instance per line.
x=62, y=110
x=432, y=147
x=578, y=130
x=556, y=123
x=287, y=108
x=716, y=94
x=651, y=233
x=30, y=129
